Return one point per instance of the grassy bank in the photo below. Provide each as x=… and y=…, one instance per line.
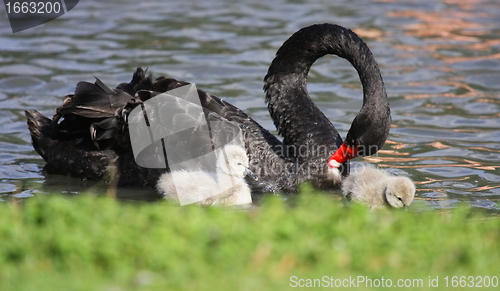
x=94, y=243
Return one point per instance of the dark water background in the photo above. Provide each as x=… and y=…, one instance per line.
x=440, y=61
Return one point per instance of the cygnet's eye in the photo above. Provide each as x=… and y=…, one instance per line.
x=400, y=199
x=239, y=164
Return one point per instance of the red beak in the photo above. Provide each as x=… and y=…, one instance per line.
x=343, y=154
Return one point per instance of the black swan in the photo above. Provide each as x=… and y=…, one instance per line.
x=227, y=188
x=377, y=189
x=88, y=135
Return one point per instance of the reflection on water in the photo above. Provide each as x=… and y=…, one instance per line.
x=440, y=61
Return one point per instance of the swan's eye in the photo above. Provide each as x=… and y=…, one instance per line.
x=400, y=199
x=239, y=164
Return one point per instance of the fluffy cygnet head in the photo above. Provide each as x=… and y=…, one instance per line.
x=399, y=192
x=233, y=161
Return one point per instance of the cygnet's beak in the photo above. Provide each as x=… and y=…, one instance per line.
x=251, y=174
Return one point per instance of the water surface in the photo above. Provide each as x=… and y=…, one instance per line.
x=440, y=61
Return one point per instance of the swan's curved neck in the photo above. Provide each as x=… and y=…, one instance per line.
x=288, y=100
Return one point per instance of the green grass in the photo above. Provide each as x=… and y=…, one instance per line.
x=58, y=242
